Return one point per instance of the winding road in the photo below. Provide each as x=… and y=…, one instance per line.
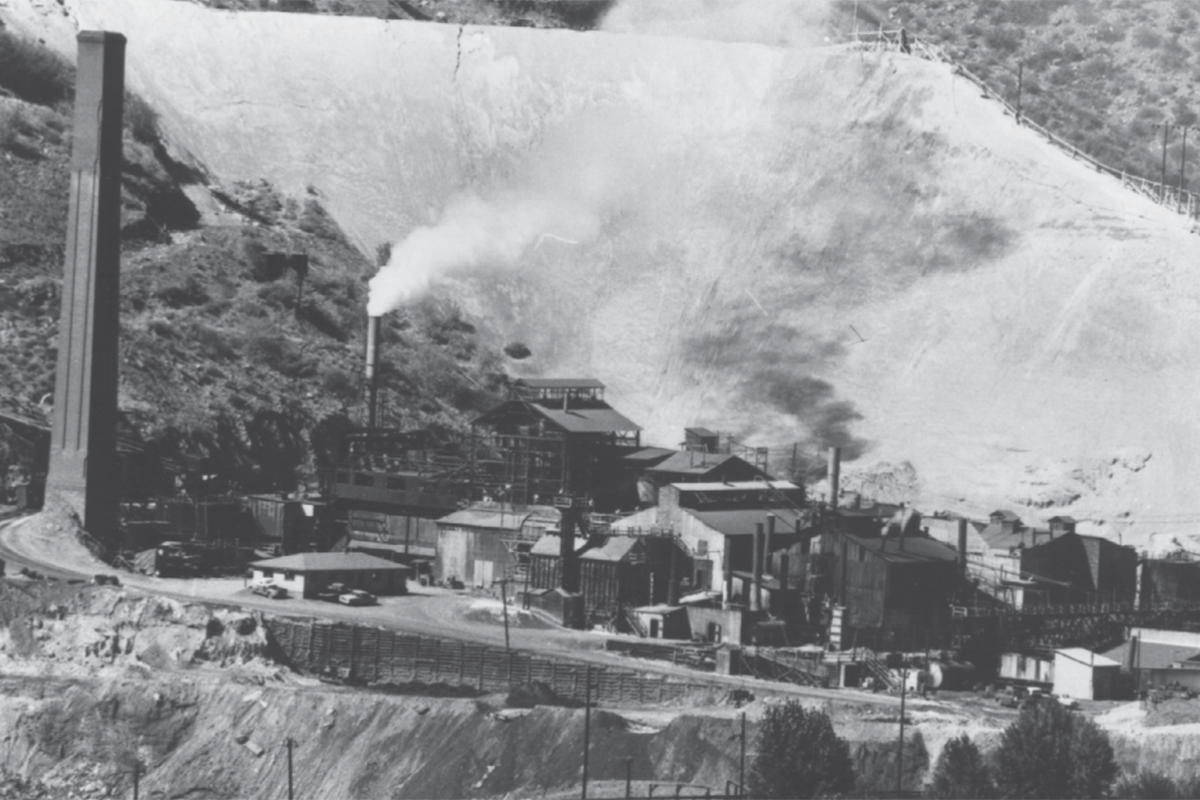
x=427, y=611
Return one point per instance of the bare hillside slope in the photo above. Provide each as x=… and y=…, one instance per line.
x=822, y=245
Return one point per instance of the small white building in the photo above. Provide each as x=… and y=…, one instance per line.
x=1084, y=675
x=1020, y=669
x=306, y=574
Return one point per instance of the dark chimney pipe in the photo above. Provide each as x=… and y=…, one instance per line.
x=728, y=564
x=372, y=369
x=962, y=548
x=756, y=589
x=767, y=545
x=784, y=564
x=835, y=475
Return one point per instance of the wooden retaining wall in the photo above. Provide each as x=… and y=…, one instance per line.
x=362, y=654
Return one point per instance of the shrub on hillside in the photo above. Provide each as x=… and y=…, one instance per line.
x=799, y=755
x=279, y=295
x=1151, y=785
x=1051, y=752
x=339, y=384
x=274, y=351
x=33, y=72
x=141, y=119
x=325, y=319
x=961, y=772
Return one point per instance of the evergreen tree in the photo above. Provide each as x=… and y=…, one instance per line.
x=799, y=755
x=961, y=772
x=1050, y=752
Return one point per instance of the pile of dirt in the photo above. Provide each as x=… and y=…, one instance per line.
x=77, y=630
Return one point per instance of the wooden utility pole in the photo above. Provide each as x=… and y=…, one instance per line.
x=1162, y=185
x=587, y=727
x=1182, y=162
x=900, y=752
x=290, y=744
x=504, y=600
x=742, y=759
x=1020, y=81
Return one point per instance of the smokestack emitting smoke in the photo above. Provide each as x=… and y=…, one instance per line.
x=372, y=358
x=581, y=174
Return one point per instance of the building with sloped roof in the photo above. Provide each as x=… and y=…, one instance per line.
x=556, y=436
x=896, y=590
x=716, y=523
x=617, y=573
x=306, y=574
x=488, y=542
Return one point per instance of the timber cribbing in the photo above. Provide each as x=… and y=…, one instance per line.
x=360, y=654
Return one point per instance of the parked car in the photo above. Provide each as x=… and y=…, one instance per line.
x=271, y=590
x=358, y=597
x=332, y=592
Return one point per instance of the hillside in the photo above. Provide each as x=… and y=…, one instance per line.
x=1103, y=74
x=241, y=306
x=814, y=245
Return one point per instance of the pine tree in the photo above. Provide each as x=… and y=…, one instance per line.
x=799, y=755
x=1050, y=752
x=961, y=772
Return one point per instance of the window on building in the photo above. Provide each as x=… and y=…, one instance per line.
x=392, y=482
x=268, y=573
x=288, y=575
x=805, y=546
x=860, y=552
x=702, y=547
x=364, y=479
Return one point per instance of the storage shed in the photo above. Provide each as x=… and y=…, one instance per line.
x=489, y=542
x=1084, y=675
x=306, y=574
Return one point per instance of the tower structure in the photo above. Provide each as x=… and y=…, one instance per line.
x=83, y=456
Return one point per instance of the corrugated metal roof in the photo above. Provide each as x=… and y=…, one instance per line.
x=685, y=461
x=916, y=548
x=1152, y=655
x=587, y=420
x=1086, y=657
x=740, y=522
x=546, y=546
x=1008, y=516
x=1066, y=519
x=733, y=486
x=661, y=608
x=705, y=432
x=615, y=549
x=322, y=562
x=648, y=454
x=497, y=519
x=559, y=383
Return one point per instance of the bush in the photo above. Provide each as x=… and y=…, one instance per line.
x=274, y=351
x=277, y=295
x=33, y=72
x=1051, y=752
x=340, y=384
x=799, y=755
x=1150, y=785
x=141, y=119
x=961, y=772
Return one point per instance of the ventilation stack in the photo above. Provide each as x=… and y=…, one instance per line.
x=962, y=548
x=835, y=475
x=757, y=567
x=372, y=370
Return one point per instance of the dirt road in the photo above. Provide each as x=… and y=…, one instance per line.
x=428, y=611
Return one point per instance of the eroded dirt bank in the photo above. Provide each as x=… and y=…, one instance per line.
x=95, y=681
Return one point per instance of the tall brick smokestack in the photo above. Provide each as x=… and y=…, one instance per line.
x=835, y=475
x=372, y=370
x=83, y=447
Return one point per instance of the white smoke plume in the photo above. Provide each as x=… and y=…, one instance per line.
x=566, y=190
x=781, y=23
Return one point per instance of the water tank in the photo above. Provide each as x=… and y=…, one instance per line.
x=952, y=675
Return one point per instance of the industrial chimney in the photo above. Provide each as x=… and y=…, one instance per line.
x=835, y=474
x=756, y=568
x=372, y=358
x=962, y=548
